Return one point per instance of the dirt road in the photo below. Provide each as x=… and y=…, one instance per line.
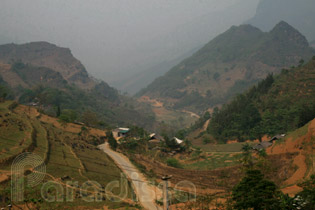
x=146, y=193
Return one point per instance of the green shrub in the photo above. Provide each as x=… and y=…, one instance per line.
x=173, y=163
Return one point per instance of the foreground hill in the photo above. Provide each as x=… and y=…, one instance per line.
x=276, y=105
x=69, y=151
x=227, y=65
x=300, y=14
x=50, y=75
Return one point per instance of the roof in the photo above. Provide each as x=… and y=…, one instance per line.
x=156, y=136
x=121, y=130
x=262, y=145
x=178, y=141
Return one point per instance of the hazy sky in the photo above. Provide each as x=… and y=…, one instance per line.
x=116, y=38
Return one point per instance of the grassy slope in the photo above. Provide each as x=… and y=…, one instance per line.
x=65, y=151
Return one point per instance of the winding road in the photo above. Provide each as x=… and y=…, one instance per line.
x=146, y=193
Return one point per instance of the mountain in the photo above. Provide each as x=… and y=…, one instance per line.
x=300, y=14
x=228, y=65
x=43, y=54
x=312, y=43
x=48, y=74
x=278, y=104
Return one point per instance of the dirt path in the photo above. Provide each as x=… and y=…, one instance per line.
x=80, y=162
x=147, y=194
x=205, y=126
x=300, y=172
x=191, y=114
x=4, y=175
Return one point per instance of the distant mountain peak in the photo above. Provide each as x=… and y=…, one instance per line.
x=284, y=30
x=246, y=27
x=243, y=29
x=229, y=64
x=284, y=26
x=300, y=14
x=44, y=54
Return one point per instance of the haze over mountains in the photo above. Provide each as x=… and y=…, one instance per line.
x=298, y=13
x=228, y=65
x=118, y=39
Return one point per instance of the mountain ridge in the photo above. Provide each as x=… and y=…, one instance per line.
x=44, y=54
x=300, y=14
x=50, y=75
x=227, y=65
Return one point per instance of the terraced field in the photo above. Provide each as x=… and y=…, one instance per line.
x=71, y=157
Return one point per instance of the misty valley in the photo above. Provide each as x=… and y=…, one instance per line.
x=192, y=105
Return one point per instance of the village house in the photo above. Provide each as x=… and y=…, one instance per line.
x=155, y=140
x=266, y=144
x=119, y=133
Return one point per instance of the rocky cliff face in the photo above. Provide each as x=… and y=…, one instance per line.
x=43, y=54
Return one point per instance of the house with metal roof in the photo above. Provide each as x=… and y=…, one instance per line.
x=119, y=133
x=262, y=145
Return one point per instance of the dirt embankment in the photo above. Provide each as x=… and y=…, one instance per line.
x=303, y=146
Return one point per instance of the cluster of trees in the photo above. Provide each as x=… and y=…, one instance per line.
x=5, y=91
x=94, y=107
x=256, y=192
x=268, y=108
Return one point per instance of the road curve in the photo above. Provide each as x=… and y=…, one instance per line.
x=147, y=194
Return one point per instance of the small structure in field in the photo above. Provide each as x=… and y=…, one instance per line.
x=178, y=141
x=155, y=139
x=32, y=104
x=120, y=133
x=277, y=137
x=266, y=144
x=262, y=145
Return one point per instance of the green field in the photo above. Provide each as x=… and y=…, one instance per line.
x=214, y=160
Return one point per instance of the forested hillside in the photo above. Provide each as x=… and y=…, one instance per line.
x=49, y=76
x=228, y=65
x=278, y=104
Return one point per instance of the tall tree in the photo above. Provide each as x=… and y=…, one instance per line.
x=255, y=192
